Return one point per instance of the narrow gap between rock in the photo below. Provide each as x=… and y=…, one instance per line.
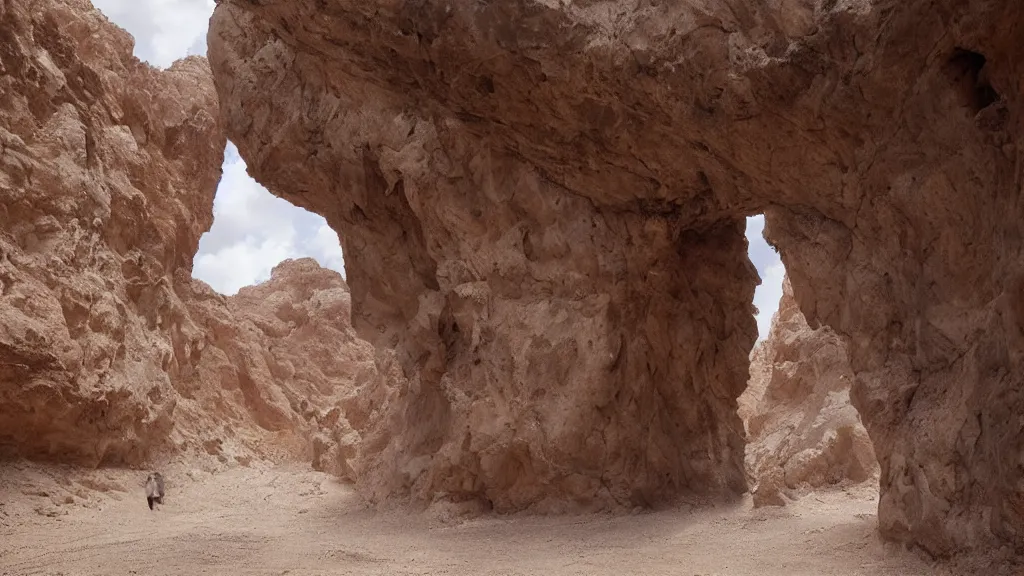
x=771, y=270
x=803, y=432
x=253, y=231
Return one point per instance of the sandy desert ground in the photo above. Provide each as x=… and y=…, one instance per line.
x=286, y=520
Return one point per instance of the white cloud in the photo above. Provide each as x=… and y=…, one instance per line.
x=254, y=230
x=772, y=271
x=164, y=30
x=327, y=249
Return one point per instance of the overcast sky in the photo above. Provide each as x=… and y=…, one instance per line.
x=254, y=230
x=769, y=267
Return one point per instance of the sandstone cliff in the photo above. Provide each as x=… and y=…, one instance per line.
x=541, y=208
x=110, y=353
x=802, y=431
x=106, y=167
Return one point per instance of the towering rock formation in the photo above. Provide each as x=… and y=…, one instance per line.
x=109, y=352
x=802, y=431
x=107, y=171
x=556, y=351
x=541, y=207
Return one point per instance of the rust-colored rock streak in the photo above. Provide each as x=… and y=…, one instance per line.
x=802, y=431
x=540, y=205
x=110, y=353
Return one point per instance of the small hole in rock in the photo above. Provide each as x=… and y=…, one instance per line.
x=966, y=69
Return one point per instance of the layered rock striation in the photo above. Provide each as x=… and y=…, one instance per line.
x=541, y=208
x=802, y=430
x=110, y=353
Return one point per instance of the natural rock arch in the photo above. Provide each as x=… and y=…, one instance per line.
x=541, y=209
x=111, y=353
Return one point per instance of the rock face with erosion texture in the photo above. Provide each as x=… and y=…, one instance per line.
x=287, y=351
x=541, y=208
x=109, y=352
x=278, y=363
x=802, y=431
x=551, y=350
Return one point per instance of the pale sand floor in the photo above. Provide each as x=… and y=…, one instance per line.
x=286, y=520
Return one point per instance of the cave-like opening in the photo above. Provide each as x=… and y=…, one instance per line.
x=253, y=231
x=802, y=431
